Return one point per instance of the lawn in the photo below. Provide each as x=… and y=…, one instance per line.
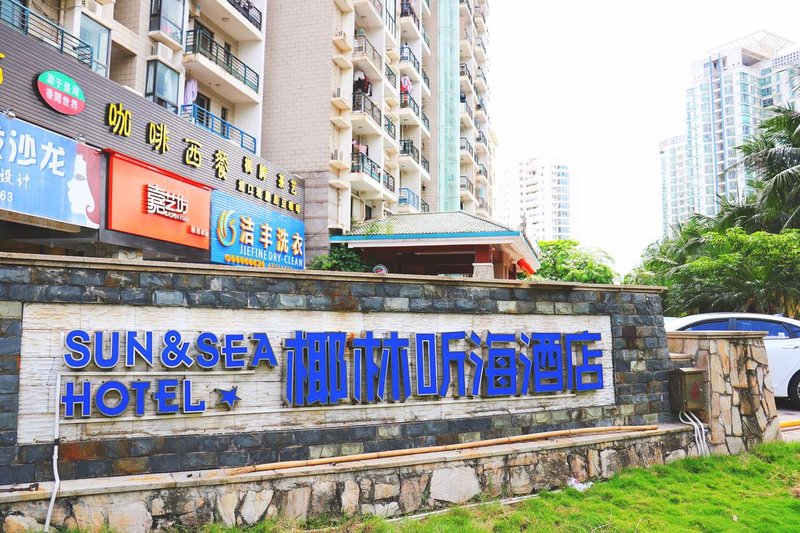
x=758, y=491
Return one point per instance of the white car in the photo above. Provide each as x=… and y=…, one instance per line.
x=782, y=342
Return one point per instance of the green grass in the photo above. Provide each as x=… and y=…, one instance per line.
x=758, y=491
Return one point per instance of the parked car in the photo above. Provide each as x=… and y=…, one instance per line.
x=782, y=342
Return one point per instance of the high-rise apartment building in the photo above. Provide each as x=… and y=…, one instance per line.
x=732, y=91
x=202, y=60
x=381, y=105
x=676, y=195
x=545, y=193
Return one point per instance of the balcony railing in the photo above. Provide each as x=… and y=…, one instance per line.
x=388, y=181
x=250, y=12
x=425, y=79
x=464, y=71
x=482, y=139
x=378, y=5
x=482, y=170
x=363, y=46
x=407, y=55
x=390, y=127
x=199, y=41
x=20, y=17
x=391, y=23
x=466, y=107
x=467, y=3
x=407, y=148
x=362, y=163
x=406, y=100
x=426, y=164
x=207, y=120
x=479, y=14
x=425, y=121
x=481, y=44
x=391, y=76
x=426, y=37
x=407, y=10
x=467, y=185
x=408, y=197
x=424, y=207
x=467, y=147
x=362, y=104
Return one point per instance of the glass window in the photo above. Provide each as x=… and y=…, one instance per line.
x=162, y=85
x=710, y=325
x=773, y=329
x=96, y=35
x=167, y=16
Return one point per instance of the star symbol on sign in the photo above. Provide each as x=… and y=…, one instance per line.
x=227, y=398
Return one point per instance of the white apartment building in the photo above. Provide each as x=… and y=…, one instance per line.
x=363, y=99
x=202, y=59
x=732, y=89
x=546, y=199
x=676, y=195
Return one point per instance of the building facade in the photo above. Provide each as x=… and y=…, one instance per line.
x=732, y=91
x=677, y=196
x=201, y=60
x=546, y=199
x=364, y=100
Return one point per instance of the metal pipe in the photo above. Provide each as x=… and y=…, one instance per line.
x=56, y=438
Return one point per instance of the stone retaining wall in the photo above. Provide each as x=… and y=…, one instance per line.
x=383, y=487
x=638, y=349
x=740, y=410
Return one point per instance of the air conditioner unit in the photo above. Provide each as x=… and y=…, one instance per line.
x=162, y=52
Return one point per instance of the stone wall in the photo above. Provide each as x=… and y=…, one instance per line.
x=384, y=487
x=637, y=347
x=740, y=410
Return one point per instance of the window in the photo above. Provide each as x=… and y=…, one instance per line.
x=96, y=35
x=162, y=85
x=773, y=329
x=710, y=325
x=167, y=16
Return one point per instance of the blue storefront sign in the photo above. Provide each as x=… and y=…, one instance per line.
x=248, y=234
x=46, y=175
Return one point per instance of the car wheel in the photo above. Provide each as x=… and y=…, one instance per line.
x=794, y=391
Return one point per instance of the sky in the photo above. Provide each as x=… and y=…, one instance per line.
x=599, y=85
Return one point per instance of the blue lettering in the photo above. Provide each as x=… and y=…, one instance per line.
x=232, y=348
x=188, y=407
x=548, y=362
x=584, y=369
x=365, y=370
x=102, y=392
x=103, y=362
x=476, y=360
x=263, y=351
x=450, y=357
x=140, y=388
x=76, y=342
x=175, y=352
x=427, y=367
x=134, y=348
x=501, y=368
x=71, y=398
x=207, y=346
x=164, y=395
x=394, y=362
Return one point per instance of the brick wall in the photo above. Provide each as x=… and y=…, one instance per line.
x=638, y=341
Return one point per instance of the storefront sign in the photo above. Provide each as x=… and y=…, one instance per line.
x=323, y=369
x=2, y=56
x=154, y=203
x=46, y=175
x=61, y=92
x=248, y=234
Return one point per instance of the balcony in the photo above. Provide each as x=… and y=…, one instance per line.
x=466, y=44
x=426, y=82
x=426, y=5
x=391, y=28
x=467, y=152
x=408, y=198
x=208, y=62
x=390, y=127
x=465, y=6
x=238, y=18
x=467, y=188
x=427, y=40
x=465, y=77
x=222, y=128
x=18, y=16
x=426, y=165
x=426, y=123
x=367, y=57
x=480, y=50
x=480, y=80
x=366, y=174
x=389, y=182
x=409, y=111
x=392, y=92
x=366, y=117
x=424, y=207
x=369, y=13
x=467, y=116
x=407, y=149
x=482, y=143
x=480, y=19
x=410, y=26
x=480, y=111
x=482, y=172
x=409, y=64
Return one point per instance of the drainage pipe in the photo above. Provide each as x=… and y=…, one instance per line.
x=434, y=449
x=56, y=438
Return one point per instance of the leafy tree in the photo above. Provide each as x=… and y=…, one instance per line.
x=568, y=261
x=340, y=258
